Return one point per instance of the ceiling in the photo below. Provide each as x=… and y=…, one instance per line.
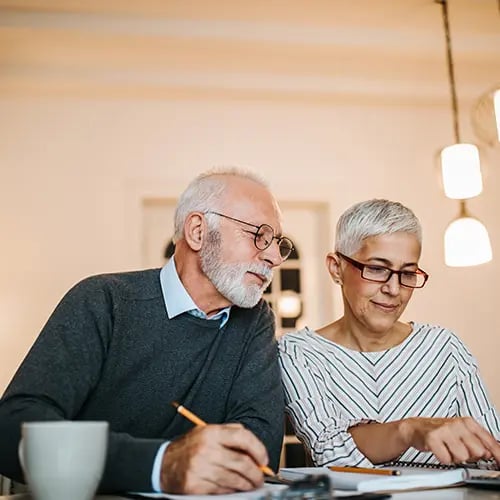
x=390, y=50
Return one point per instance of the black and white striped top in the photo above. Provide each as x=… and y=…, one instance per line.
x=330, y=388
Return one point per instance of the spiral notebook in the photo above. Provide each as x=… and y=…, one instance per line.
x=410, y=479
x=481, y=465
x=482, y=474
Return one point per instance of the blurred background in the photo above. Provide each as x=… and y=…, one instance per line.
x=110, y=107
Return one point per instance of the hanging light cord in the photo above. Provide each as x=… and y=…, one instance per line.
x=451, y=69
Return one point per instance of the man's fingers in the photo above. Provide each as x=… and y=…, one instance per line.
x=241, y=439
x=226, y=479
x=213, y=459
x=235, y=425
x=227, y=468
x=243, y=465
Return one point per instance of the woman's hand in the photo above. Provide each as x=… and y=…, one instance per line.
x=451, y=440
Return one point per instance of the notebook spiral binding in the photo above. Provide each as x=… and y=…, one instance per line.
x=481, y=464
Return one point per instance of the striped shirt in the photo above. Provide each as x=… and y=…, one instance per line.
x=330, y=388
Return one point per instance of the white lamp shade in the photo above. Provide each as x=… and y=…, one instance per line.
x=466, y=243
x=461, y=171
x=289, y=304
x=496, y=101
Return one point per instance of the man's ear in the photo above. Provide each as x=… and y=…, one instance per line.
x=334, y=268
x=194, y=230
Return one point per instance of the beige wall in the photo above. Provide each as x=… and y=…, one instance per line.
x=97, y=115
x=73, y=171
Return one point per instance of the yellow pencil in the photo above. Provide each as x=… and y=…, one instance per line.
x=189, y=414
x=201, y=423
x=365, y=470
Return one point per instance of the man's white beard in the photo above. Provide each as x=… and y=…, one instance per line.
x=229, y=279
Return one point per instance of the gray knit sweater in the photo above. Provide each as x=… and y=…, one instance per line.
x=109, y=352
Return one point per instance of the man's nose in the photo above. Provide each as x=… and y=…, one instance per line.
x=272, y=254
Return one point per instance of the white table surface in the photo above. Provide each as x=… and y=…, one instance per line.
x=441, y=494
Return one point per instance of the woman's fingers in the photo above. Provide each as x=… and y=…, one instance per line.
x=458, y=440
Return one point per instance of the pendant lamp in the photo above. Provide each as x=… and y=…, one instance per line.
x=466, y=240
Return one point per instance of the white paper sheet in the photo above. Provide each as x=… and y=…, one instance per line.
x=258, y=494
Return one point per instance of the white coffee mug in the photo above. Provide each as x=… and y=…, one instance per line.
x=64, y=459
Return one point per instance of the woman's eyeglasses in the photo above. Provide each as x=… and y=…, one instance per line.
x=381, y=274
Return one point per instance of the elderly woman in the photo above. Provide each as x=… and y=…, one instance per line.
x=368, y=388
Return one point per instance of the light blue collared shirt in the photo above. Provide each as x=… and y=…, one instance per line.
x=177, y=302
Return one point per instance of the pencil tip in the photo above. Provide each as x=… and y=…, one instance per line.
x=175, y=404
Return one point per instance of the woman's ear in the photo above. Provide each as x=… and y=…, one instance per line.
x=194, y=230
x=334, y=268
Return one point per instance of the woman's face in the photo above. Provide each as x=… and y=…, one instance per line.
x=377, y=306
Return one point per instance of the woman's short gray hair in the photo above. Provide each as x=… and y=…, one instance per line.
x=205, y=193
x=373, y=218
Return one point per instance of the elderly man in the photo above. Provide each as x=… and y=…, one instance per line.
x=122, y=347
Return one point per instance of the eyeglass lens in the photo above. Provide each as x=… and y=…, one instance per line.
x=264, y=237
x=381, y=274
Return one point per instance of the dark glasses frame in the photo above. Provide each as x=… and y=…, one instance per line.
x=362, y=267
x=285, y=244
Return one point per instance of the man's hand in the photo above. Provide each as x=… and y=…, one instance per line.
x=212, y=460
x=451, y=440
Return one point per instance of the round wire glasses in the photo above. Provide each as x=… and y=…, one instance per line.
x=263, y=236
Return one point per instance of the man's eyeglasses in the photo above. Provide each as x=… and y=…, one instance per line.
x=381, y=274
x=263, y=236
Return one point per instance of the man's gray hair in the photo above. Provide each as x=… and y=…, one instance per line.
x=373, y=218
x=205, y=193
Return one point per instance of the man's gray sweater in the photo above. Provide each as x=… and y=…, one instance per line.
x=110, y=352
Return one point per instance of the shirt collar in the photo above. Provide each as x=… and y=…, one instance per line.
x=177, y=299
